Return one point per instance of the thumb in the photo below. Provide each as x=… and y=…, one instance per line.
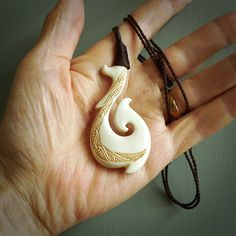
x=62, y=28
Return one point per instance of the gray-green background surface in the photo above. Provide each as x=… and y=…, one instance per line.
x=148, y=212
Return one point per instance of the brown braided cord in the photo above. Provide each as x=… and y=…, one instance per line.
x=160, y=60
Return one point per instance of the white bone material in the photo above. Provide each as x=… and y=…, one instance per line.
x=113, y=150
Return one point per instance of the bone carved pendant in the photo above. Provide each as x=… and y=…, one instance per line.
x=110, y=149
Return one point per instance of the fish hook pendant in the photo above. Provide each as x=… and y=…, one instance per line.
x=110, y=149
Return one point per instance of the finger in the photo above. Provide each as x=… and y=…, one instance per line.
x=62, y=29
x=151, y=16
x=204, y=121
x=208, y=84
x=191, y=51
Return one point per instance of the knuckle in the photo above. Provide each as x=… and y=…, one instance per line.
x=226, y=26
x=229, y=101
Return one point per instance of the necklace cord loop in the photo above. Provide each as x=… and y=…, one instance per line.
x=161, y=62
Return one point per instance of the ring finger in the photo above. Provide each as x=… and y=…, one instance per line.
x=207, y=84
x=191, y=51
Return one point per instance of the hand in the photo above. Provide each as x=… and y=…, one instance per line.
x=48, y=173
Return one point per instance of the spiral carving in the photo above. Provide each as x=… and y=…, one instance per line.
x=101, y=152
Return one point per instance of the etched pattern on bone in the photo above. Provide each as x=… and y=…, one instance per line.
x=99, y=149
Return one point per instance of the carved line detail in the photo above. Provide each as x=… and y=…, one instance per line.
x=100, y=150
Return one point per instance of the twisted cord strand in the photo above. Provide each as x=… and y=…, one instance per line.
x=161, y=62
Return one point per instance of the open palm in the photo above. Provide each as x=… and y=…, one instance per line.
x=45, y=150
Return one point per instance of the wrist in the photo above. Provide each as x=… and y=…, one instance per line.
x=17, y=217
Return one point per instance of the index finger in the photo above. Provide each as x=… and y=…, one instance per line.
x=151, y=16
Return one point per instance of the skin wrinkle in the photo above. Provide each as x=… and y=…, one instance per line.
x=30, y=166
x=147, y=19
x=104, y=185
x=37, y=212
x=81, y=103
x=190, y=89
x=47, y=46
x=61, y=43
x=199, y=121
x=19, y=161
x=84, y=90
x=53, y=202
x=178, y=140
x=19, y=174
x=57, y=178
x=229, y=111
x=193, y=84
x=99, y=193
x=21, y=211
x=48, y=188
x=227, y=71
x=118, y=180
x=65, y=217
x=182, y=144
x=48, y=60
x=72, y=25
x=59, y=209
x=74, y=188
x=7, y=212
x=179, y=3
x=50, y=36
x=153, y=92
x=168, y=148
x=32, y=124
x=222, y=107
x=221, y=23
x=80, y=206
x=149, y=72
x=79, y=17
x=187, y=59
x=231, y=25
x=47, y=126
x=103, y=182
x=27, y=201
x=89, y=192
x=33, y=107
x=66, y=83
x=47, y=113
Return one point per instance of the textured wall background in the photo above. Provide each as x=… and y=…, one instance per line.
x=148, y=212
